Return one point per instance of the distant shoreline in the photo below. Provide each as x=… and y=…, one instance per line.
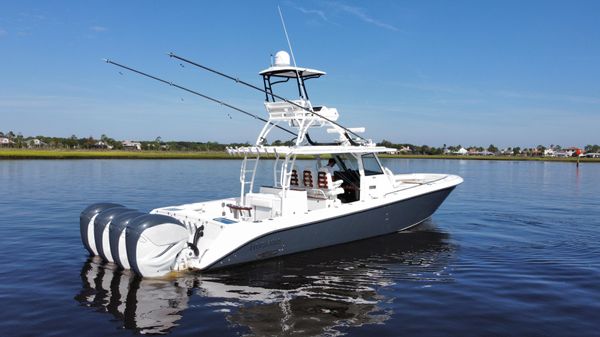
x=494, y=158
x=109, y=154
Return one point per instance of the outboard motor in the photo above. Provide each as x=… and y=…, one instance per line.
x=86, y=224
x=101, y=224
x=116, y=237
x=153, y=242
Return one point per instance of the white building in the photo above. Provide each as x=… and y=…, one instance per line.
x=5, y=141
x=35, y=143
x=404, y=149
x=462, y=151
x=129, y=145
x=102, y=145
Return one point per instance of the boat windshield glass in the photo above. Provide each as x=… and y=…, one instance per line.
x=347, y=162
x=371, y=165
x=347, y=171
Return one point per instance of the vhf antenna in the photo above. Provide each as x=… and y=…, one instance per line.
x=291, y=52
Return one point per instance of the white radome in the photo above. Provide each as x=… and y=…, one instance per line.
x=282, y=59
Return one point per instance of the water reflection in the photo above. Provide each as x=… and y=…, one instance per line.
x=144, y=305
x=312, y=293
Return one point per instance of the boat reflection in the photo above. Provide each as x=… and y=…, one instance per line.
x=147, y=306
x=312, y=293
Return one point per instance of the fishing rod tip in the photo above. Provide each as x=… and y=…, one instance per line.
x=106, y=60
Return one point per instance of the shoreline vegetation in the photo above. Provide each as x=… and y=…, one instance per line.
x=10, y=153
x=17, y=146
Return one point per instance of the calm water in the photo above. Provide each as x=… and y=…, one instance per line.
x=514, y=251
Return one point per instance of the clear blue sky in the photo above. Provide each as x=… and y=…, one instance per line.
x=423, y=72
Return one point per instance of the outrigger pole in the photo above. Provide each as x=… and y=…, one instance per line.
x=237, y=80
x=199, y=94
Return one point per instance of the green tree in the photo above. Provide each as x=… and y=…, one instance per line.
x=90, y=142
x=19, y=141
x=71, y=142
x=592, y=148
x=386, y=143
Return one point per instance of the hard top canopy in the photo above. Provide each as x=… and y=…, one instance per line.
x=309, y=150
x=291, y=72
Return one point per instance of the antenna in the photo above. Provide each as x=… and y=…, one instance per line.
x=303, y=90
x=287, y=37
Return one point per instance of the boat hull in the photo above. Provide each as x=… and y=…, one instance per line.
x=381, y=220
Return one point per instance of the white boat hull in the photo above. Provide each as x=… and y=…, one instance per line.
x=209, y=235
x=385, y=219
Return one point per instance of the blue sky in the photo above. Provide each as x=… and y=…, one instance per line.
x=423, y=72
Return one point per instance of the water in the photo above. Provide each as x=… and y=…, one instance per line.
x=514, y=251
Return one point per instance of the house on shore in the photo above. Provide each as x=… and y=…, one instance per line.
x=102, y=145
x=474, y=152
x=482, y=153
x=6, y=142
x=404, y=149
x=35, y=143
x=129, y=145
x=461, y=152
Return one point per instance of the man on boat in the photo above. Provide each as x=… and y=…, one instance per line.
x=330, y=166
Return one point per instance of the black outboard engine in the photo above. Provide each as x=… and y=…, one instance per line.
x=86, y=224
x=116, y=237
x=153, y=242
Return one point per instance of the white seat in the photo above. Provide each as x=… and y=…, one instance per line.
x=310, y=183
x=329, y=187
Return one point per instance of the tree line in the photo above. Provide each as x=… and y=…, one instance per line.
x=491, y=149
x=105, y=142
x=17, y=140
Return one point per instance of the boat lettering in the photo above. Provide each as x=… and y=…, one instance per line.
x=262, y=245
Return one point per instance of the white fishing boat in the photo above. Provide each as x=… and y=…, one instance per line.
x=322, y=194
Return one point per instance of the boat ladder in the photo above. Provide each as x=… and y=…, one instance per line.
x=249, y=166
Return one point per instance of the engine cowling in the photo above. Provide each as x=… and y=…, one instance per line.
x=153, y=242
x=101, y=226
x=86, y=224
x=116, y=237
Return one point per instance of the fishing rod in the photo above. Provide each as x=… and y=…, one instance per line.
x=237, y=80
x=199, y=94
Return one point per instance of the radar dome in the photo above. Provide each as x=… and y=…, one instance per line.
x=282, y=59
